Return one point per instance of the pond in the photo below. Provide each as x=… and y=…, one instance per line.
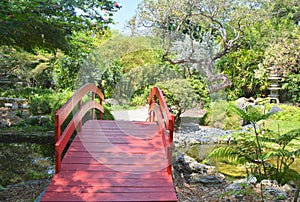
x=200, y=151
x=25, y=161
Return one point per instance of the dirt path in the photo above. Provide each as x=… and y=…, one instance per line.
x=140, y=114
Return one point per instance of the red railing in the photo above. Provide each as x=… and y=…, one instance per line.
x=159, y=112
x=62, y=137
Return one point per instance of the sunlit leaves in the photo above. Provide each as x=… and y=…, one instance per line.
x=47, y=24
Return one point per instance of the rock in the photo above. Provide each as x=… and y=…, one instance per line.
x=189, y=126
x=275, y=109
x=235, y=186
x=243, y=102
x=195, y=172
x=288, y=188
x=275, y=193
x=192, y=166
x=211, y=179
x=111, y=101
x=270, y=183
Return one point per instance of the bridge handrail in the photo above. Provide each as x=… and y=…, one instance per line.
x=62, y=137
x=159, y=111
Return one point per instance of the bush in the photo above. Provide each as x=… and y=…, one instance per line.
x=39, y=105
x=107, y=115
x=219, y=116
x=179, y=96
x=201, y=91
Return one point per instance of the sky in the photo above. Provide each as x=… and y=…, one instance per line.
x=125, y=13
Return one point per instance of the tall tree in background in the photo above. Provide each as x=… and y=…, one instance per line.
x=271, y=42
x=199, y=32
x=30, y=24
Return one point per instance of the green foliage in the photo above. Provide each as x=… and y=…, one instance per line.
x=216, y=114
x=252, y=114
x=68, y=69
x=265, y=153
x=137, y=81
x=220, y=116
x=41, y=101
x=39, y=105
x=107, y=113
x=114, y=61
x=179, y=96
x=289, y=113
x=65, y=71
x=241, y=66
x=291, y=83
x=30, y=69
x=283, y=53
x=201, y=92
x=32, y=23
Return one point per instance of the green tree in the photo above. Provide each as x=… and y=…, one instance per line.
x=199, y=32
x=283, y=53
x=267, y=43
x=29, y=24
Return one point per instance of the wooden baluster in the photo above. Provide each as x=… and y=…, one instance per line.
x=101, y=114
x=80, y=122
x=93, y=110
x=56, y=136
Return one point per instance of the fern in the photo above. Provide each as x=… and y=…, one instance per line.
x=224, y=153
x=256, y=149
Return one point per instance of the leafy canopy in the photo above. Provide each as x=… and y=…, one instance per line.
x=47, y=24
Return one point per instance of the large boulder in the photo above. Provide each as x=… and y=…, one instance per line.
x=195, y=172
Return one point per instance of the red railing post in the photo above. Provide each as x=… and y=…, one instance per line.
x=57, y=127
x=62, y=137
x=56, y=137
x=101, y=114
x=93, y=110
x=80, y=122
x=165, y=121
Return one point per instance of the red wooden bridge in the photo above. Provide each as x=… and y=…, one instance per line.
x=111, y=160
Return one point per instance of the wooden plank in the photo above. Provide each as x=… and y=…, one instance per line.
x=113, y=161
x=108, y=189
x=125, y=148
x=162, y=174
x=121, y=168
x=112, y=182
x=154, y=196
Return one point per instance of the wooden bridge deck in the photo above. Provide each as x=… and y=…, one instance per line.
x=114, y=161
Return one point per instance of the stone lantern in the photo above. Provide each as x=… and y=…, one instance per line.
x=274, y=88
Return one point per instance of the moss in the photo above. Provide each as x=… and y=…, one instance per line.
x=231, y=170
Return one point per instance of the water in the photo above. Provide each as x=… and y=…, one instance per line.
x=199, y=151
x=25, y=161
